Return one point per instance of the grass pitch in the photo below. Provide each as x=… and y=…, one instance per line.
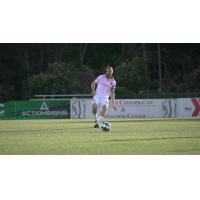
x=70, y=137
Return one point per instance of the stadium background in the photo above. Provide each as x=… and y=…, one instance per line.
x=142, y=70
x=156, y=85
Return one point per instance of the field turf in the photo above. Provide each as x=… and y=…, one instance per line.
x=78, y=137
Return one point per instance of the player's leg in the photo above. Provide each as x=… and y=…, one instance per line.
x=94, y=111
x=104, y=110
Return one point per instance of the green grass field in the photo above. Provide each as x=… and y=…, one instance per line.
x=139, y=136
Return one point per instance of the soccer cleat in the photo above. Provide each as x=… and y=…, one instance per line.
x=96, y=126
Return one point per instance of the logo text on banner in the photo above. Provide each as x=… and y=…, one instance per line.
x=196, y=103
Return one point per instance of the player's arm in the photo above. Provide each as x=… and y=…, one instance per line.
x=93, y=86
x=94, y=83
x=112, y=96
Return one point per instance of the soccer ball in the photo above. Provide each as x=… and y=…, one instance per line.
x=105, y=126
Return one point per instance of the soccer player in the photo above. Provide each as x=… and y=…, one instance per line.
x=103, y=87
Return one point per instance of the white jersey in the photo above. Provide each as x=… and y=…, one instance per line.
x=104, y=86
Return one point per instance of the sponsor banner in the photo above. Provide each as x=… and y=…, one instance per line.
x=36, y=109
x=189, y=108
x=169, y=108
x=80, y=108
x=139, y=108
x=126, y=108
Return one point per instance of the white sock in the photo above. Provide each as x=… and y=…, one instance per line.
x=96, y=117
x=99, y=119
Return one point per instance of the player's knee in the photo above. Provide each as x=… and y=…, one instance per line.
x=104, y=108
x=94, y=105
x=94, y=108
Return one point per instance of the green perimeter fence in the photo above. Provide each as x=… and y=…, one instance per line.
x=35, y=109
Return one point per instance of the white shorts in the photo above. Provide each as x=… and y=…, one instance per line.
x=100, y=101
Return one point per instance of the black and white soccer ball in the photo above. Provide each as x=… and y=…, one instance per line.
x=105, y=127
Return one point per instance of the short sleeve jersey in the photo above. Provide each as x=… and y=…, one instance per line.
x=104, y=86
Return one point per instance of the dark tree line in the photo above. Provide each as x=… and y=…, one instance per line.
x=29, y=69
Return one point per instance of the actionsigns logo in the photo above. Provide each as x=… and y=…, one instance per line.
x=196, y=103
x=44, y=107
x=45, y=110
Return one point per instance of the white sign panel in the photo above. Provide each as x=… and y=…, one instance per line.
x=189, y=108
x=136, y=108
x=141, y=108
x=80, y=108
x=169, y=108
x=126, y=108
